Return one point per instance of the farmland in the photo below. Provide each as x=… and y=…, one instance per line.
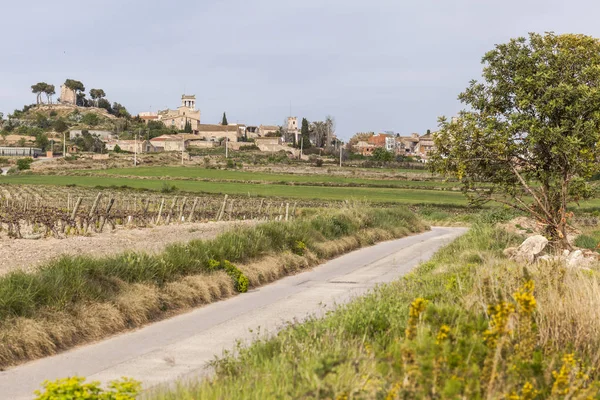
x=376, y=195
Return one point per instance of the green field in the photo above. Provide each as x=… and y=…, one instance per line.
x=383, y=195
x=232, y=175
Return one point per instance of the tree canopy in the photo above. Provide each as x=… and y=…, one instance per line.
x=224, y=121
x=77, y=86
x=529, y=137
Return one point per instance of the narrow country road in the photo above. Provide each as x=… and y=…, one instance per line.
x=180, y=347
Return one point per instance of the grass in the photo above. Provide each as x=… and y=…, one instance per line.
x=467, y=324
x=375, y=195
x=77, y=299
x=225, y=175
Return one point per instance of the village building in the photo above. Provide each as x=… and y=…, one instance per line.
x=170, y=143
x=131, y=146
x=425, y=145
x=178, y=118
x=216, y=133
x=265, y=130
x=67, y=95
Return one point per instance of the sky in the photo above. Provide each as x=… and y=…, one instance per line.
x=378, y=65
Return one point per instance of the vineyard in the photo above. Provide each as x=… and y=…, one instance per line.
x=30, y=211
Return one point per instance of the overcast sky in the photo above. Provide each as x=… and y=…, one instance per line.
x=378, y=65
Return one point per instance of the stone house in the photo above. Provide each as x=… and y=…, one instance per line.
x=214, y=133
x=264, y=130
x=132, y=146
x=170, y=143
x=425, y=145
x=178, y=118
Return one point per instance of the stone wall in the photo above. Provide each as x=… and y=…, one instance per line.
x=67, y=96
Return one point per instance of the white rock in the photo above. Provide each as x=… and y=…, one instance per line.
x=531, y=248
x=576, y=259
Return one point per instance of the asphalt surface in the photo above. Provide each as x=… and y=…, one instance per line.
x=181, y=347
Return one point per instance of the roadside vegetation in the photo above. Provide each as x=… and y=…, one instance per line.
x=467, y=324
x=74, y=300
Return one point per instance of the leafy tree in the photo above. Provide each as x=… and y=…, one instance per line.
x=382, y=155
x=103, y=103
x=529, y=138
x=60, y=126
x=224, y=122
x=120, y=111
x=89, y=142
x=117, y=149
x=41, y=121
x=91, y=119
x=22, y=142
x=41, y=141
x=96, y=95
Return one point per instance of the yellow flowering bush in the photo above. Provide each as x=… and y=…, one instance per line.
x=75, y=388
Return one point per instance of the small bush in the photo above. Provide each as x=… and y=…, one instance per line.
x=299, y=248
x=24, y=163
x=74, y=388
x=168, y=188
x=586, y=242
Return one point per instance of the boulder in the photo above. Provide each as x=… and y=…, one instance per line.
x=530, y=249
x=576, y=259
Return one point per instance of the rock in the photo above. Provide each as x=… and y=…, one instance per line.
x=578, y=259
x=531, y=248
x=566, y=253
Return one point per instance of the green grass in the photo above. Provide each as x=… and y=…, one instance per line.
x=375, y=195
x=372, y=349
x=216, y=174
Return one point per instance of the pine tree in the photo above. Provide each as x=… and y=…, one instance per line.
x=188, y=127
x=224, y=122
x=305, y=133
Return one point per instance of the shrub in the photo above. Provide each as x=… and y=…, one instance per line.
x=74, y=388
x=299, y=248
x=24, y=163
x=239, y=279
x=168, y=188
x=586, y=242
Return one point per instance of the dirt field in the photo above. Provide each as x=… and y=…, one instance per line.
x=28, y=254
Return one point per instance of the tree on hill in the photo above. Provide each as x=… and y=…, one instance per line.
x=60, y=126
x=49, y=90
x=38, y=89
x=96, y=95
x=120, y=111
x=529, y=138
x=382, y=155
x=224, y=121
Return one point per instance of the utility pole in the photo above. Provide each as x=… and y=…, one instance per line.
x=301, y=145
x=226, y=148
x=134, y=149
x=64, y=144
x=182, y=147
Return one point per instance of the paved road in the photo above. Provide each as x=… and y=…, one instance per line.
x=181, y=346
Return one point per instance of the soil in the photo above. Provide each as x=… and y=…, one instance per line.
x=26, y=254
